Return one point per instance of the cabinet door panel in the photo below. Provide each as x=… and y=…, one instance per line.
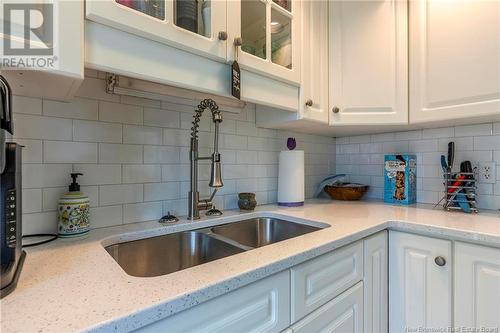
x=376, y=282
x=344, y=314
x=314, y=58
x=420, y=290
x=368, y=62
x=162, y=27
x=454, y=59
x=263, y=306
x=270, y=35
x=317, y=281
x=477, y=286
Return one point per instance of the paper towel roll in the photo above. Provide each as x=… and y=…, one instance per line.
x=291, y=178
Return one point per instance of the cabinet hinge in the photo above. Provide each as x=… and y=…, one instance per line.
x=111, y=81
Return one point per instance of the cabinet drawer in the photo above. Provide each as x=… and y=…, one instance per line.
x=342, y=314
x=318, y=281
x=263, y=306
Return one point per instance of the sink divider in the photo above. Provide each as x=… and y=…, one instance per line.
x=208, y=232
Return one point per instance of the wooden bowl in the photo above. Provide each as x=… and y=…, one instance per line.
x=347, y=191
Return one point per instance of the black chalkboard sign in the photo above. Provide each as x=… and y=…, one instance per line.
x=236, y=80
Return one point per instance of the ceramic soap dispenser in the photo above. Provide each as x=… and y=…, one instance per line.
x=73, y=211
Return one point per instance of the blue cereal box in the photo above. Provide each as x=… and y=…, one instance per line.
x=400, y=179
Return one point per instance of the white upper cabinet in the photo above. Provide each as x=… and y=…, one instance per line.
x=270, y=36
x=189, y=25
x=368, y=69
x=454, y=60
x=477, y=286
x=313, y=98
x=49, y=64
x=420, y=282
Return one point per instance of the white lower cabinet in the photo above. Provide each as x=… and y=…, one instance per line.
x=376, y=283
x=388, y=282
x=420, y=282
x=343, y=314
x=263, y=306
x=477, y=286
x=317, y=281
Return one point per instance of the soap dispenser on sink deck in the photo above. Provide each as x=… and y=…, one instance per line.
x=73, y=211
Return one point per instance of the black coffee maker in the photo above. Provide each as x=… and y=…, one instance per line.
x=12, y=255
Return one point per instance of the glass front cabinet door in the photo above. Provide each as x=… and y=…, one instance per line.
x=197, y=26
x=267, y=36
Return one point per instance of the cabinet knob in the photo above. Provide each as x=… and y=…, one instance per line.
x=238, y=41
x=309, y=102
x=335, y=109
x=222, y=35
x=440, y=261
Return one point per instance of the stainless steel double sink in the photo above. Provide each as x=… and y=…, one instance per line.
x=173, y=252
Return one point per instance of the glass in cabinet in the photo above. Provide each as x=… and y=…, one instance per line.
x=191, y=25
x=269, y=31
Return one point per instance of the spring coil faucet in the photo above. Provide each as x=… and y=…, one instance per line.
x=195, y=204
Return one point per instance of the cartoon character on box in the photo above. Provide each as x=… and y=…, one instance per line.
x=400, y=179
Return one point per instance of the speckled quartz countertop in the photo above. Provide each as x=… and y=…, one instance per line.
x=68, y=286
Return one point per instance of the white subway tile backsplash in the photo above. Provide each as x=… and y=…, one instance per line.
x=161, y=118
x=464, y=143
x=235, y=142
x=421, y=146
x=360, y=139
x=349, y=149
x=476, y=143
x=236, y=171
x=27, y=105
x=38, y=127
x=106, y=216
x=117, y=153
x=395, y=147
x=178, y=138
x=134, y=154
x=45, y=175
x=40, y=223
x=32, y=150
x=99, y=174
x=69, y=152
x=245, y=128
x=228, y=126
x=176, y=172
x=383, y=137
x=474, y=130
x=487, y=142
x=161, y=191
x=142, y=135
x=120, y=113
x=144, y=211
x=436, y=133
x=161, y=154
x=141, y=173
x=120, y=194
x=94, y=131
x=266, y=157
x=51, y=197
x=410, y=135
x=150, y=103
x=32, y=200
x=496, y=128
x=79, y=108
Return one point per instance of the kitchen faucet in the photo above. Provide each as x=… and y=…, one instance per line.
x=195, y=204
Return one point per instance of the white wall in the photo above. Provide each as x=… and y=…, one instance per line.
x=134, y=154
x=362, y=158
